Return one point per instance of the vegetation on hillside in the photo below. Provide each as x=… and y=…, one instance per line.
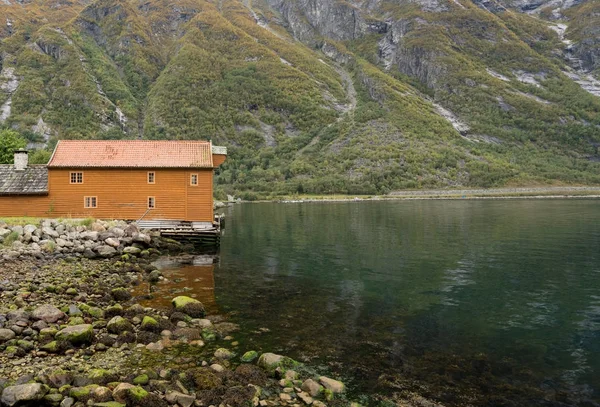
x=297, y=121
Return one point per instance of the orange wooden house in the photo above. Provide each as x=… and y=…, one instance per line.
x=159, y=181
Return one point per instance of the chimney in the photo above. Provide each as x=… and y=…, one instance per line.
x=21, y=159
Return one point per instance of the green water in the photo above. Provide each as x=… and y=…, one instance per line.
x=466, y=302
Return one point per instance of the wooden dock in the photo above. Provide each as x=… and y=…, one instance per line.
x=199, y=234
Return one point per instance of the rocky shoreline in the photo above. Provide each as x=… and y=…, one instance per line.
x=71, y=334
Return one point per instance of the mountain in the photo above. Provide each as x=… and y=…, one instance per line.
x=325, y=96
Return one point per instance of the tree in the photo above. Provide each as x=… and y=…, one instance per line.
x=10, y=141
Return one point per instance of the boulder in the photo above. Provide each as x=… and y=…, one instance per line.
x=113, y=242
x=120, y=392
x=6, y=334
x=48, y=313
x=76, y=334
x=334, y=385
x=22, y=393
x=48, y=231
x=189, y=306
x=311, y=387
x=141, y=238
x=132, y=250
x=106, y=251
x=249, y=356
x=121, y=294
x=223, y=353
x=271, y=361
x=119, y=324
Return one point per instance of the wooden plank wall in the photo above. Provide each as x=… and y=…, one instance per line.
x=121, y=194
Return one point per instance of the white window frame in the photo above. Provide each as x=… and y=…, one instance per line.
x=90, y=202
x=77, y=175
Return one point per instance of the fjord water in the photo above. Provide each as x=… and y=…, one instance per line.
x=469, y=302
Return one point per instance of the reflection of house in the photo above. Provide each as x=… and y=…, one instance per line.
x=117, y=179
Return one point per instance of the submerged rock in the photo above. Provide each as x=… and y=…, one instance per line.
x=330, y=384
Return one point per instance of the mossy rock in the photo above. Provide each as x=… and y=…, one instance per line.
x=96, y=312
x=109, y=404
x=189, y=306
x=249, y=356
x=150, y=324
x=76, y=334
x=82, y=394
x=204, y=379
x=51, y=347
x=76, y=321
x=102, y=376
x=141, y=380
x=271, y=362
x=118, y=325
x=121, y=294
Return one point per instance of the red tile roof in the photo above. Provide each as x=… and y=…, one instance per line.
x=132, y=153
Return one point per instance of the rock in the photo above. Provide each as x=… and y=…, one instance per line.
x=141, y=380
x=311, y=387
x=154, y=276
x=183, y=400
x=67, y=402
x=112, y=242
x=106, y=251
x=121, y=294
x=223, y=353
x=150, y=324
x=155, y=346
x=305, y=398
x=132, y=250
x=189, y=306
x=51, y=347
x=48, y=231
x=120, y=392
x=48, y=313
x=119, y=324
x=270, y=362
x=334, y=385
x=318, y=403
x=141, y=238
x=285, y=397
x=23, y=393
x=76, y=334
x=249, y=356
x=6, y=334
x=217, y=368
x=101, y=394
x=59, y=378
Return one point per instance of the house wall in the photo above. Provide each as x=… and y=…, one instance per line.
x=25, y=205
x=121, y=194
x=218, y=159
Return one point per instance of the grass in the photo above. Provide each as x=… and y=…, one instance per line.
x=10, y=239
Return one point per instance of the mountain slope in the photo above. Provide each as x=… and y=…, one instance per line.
x=319, y=96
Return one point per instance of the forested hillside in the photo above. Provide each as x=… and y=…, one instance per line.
x=319, y=96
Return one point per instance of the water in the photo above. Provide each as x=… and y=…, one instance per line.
x=465, y=302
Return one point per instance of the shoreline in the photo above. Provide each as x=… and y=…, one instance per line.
x=73, y=334
x=450, y=194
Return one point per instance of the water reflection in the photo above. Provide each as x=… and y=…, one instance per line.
x=192, y=276
x=436, y=291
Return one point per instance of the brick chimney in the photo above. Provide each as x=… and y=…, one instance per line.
x=21, y=159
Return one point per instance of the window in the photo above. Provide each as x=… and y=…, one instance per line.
x=194, y=179
x=151, y=178
x=90, y=202
x=77, y=178
x=151, y=202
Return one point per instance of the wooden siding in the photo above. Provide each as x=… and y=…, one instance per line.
x=121, y=194
x=26, y=205
x=218, y=159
